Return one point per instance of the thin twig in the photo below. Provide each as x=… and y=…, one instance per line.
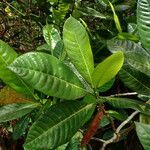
x=116, y=134
x=97, y=139
x=123, y=94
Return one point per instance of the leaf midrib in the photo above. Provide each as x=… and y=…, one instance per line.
x=20, y=109
x=80, y=49
x=136, y=80
x=73, y=85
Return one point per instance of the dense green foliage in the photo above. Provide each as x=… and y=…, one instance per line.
x=89, y=65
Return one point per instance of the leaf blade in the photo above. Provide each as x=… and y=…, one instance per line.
x=14, y=111
x=51, y=133
x=143, y=131
x=49, y=75
x=143, y=22
x=107, y=69
x=78, y=47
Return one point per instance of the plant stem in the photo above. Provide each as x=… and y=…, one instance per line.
x=116, y=134
x=97, y=139
x=123, y=94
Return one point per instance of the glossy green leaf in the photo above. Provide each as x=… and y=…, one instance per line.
x=125, y=46
x=7, y=56
x=117, y=115
x=49, y=75
x=143, y=132
x=14, y=111
x=135, y=80
x=78, y=47
x=127, y=103
x=139, y=61
x=44, y=47
x=106, y=86
x=107, y=69
x=143, y=22
x=116, y=19
x=58, y=124
x=127, y=36
x=74, y=143
x=53, y=39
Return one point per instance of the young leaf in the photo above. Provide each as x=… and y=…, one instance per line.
x=107, y=69
x=7, y=54
x=143, y=22
x=116, y=19
x=14, y=111
x=58, y=124
x=143, y=132
x=78, y=48
x=49, y=75
x=53, y=39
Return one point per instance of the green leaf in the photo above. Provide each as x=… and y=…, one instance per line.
x=7, y=56
x=127, y=36
x=143, y=132
x=107, y=86
x=143, y=22
x=139, y=61
x=135, y=80
x=116, y=19
x=104, y=122
x=78, y=48
x=58, y=124
x=44, y=47
x=92, y=12
x=107, y=69
x=74, y=143
x=125, y=46
x=127, y=103
x=53, y=39
x=14, y=111
x=117, y=115
x=49, y=75
x=144, y=97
